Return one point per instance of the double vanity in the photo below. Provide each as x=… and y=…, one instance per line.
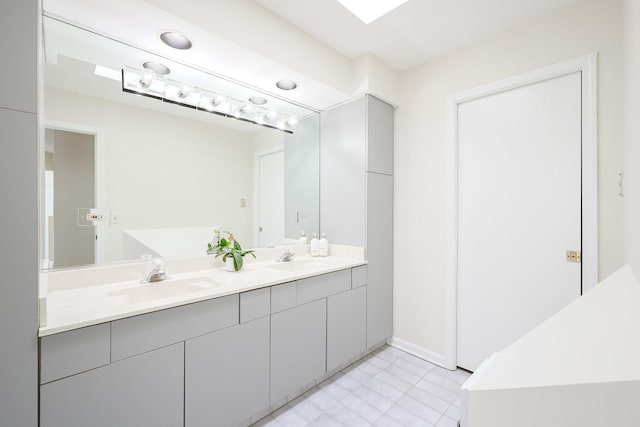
x=205, y=346
x=202, y=348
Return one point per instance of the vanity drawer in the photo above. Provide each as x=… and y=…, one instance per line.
x=358, y=276
x=283, y=297
x=317, y=287
x=139, y=334
x=72, y=352
x=255, y=304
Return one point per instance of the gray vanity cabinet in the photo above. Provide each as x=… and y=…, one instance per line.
x=144, y=390
x=379, y=256
x=346, y=327
x=298, y=348
x=227, y=375
x=356, y=193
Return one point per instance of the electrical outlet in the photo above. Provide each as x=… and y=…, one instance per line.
x=91, y=217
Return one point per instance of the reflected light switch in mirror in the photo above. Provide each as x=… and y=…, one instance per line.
x=243, y=203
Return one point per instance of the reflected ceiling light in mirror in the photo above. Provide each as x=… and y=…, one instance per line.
x=156, y=67
x=257, y=100
x=145, y=82
x=368, y=11
x=286, y=84
x=107, y=72
x=176, y=40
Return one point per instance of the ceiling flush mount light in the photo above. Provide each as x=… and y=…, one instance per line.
x=156, y=67
x=286, y=84
x=370, y=10
x=147, y=83
x=257, y=100
x=176, y=40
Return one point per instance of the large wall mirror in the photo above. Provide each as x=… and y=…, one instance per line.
x=127, y=175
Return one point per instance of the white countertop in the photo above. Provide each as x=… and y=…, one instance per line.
x=592, y=340
x=78, y=307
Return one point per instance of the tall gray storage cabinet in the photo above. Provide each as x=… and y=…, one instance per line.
x=356, y=196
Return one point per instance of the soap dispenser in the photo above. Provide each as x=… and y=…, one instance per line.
x=324, y=245
x=314, y=246
x=303, y=238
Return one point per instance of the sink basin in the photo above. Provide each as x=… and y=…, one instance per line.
x=299, y=265
x=166, y=289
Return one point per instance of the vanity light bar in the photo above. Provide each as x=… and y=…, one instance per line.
x=146, y=83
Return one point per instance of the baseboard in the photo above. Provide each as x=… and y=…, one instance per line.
x=422, y=353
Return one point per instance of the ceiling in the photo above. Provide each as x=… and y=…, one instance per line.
x=258, y=42
x=413, y=33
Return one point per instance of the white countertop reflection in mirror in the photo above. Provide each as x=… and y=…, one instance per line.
x=161, y=176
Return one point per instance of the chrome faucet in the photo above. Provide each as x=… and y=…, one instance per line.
x=157, y=274
x=287, y=256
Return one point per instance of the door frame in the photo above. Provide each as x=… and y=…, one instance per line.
x=256, y=188
x=98, y=140
x=587, y=65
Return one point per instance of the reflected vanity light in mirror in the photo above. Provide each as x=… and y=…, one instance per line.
x=145, y=82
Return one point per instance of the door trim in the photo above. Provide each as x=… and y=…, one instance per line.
x=588, y=66
x=98, y=135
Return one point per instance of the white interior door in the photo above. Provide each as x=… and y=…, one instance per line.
x=519, y=211
x=271, y=198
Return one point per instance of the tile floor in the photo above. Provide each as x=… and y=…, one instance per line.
x=388, y=388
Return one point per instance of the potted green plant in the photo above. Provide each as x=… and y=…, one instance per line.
x=229, y=249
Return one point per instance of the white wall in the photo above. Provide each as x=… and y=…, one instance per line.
x=419, y=242
x=632, y=132
x=373, y=76
x=164, y=171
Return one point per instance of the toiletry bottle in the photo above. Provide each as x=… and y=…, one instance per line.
x=324, y=245
x=314, y=246
x=303, y=238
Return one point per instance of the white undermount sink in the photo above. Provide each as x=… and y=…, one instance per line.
x=165, y=289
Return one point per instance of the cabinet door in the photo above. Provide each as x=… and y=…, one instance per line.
x=379, y=136
x=346, y=326
x=19, y=52
x=227, y=375
x=298, y=348
x=379, y=257
x=145, y=390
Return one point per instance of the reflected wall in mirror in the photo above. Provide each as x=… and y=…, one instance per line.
x=126, y=175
